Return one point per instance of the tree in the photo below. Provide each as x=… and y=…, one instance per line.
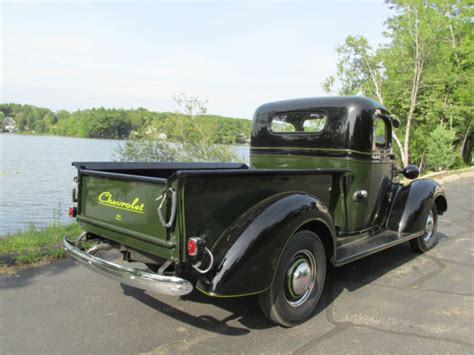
x=21, y=121
x=423, y=74
x=133, y=123
x=441, y=53
x=197, y=139
x=360, y=70
x=148, y=150
x=413, y=36
x=440, y=150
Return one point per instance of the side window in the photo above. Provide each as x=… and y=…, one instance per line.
x=298, y=122
x=380, y=135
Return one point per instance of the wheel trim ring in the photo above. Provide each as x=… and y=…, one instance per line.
x=429, y=228
x=300, y=258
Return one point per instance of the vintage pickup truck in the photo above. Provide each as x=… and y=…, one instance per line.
x=321, y=187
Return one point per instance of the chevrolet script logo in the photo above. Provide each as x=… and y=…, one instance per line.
x=106, y=199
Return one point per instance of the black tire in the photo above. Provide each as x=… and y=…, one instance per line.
x=295, y=291
x=428, y=240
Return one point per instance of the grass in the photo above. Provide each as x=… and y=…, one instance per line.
x=35, y=245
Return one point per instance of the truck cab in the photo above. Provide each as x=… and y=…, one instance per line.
x=351, y=133
x=322, y=186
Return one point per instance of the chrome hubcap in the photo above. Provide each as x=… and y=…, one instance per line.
x=300, y=278
x=429, y=227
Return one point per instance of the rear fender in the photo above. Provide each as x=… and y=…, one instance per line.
x=412, y=204
x=247, y=253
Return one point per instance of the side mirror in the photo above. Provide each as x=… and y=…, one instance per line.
x=411, y=172
x=395, y=122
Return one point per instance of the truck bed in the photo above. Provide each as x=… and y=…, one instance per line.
x=209, y=197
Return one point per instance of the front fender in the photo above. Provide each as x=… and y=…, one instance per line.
x=412, y=203
x=247, y=253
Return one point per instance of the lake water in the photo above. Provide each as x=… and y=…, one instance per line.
x=36, y=176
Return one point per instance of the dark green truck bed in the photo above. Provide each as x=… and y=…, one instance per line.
x=120, y=201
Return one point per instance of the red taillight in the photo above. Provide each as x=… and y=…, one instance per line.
x=72, y=212
x=192, y=246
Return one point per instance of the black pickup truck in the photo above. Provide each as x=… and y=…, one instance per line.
x=321, y=187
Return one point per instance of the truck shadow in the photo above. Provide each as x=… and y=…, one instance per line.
x=246, y=310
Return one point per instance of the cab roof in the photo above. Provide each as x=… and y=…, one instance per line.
x=355, y=102
x=349, y=125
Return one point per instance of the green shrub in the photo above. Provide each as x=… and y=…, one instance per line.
x=440, y=151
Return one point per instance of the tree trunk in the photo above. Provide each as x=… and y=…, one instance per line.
x=415, y=87
x=420, y=167
x=462, y=150
x=413, y=103
x=400, y=147
x=378, y=92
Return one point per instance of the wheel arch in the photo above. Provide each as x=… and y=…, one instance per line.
x=248, y=252
x=412, y=203
x=322, y=230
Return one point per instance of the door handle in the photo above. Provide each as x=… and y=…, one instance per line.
x=359, y=195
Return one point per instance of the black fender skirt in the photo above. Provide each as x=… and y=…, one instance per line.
x=247, y=253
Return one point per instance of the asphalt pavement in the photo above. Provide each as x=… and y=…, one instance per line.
x=395, y=301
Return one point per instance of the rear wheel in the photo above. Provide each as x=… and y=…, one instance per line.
x=428, y=240
x=298, y=281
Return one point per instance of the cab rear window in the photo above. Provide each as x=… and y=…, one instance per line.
x=298, y=122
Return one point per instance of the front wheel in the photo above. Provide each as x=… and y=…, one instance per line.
x=428, y=240
x=298, y=281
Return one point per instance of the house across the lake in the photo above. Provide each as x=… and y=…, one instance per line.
x=8, y=125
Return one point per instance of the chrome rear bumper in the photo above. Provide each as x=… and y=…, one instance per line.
x=167, y=285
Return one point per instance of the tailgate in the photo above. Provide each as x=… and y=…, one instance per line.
x=123, y=208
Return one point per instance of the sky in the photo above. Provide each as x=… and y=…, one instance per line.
x=236, y=55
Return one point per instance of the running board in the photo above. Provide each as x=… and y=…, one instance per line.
x=365, y=246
